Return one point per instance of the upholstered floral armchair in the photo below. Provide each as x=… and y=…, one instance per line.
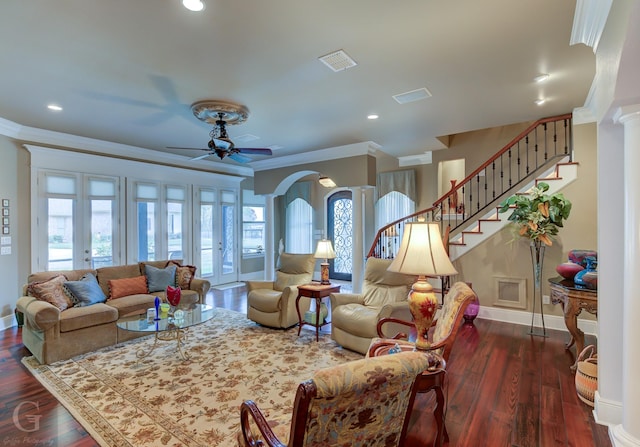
x=363, y=403
x=384, y=294
x=273, y=303
x=445, y=328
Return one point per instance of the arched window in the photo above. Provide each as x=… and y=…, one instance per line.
x=299, y=232
x=393, y=206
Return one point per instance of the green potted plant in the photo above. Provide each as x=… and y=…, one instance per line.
x=538, y=217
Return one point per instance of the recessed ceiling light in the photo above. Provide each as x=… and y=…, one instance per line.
x=193, y=5
x=540, y=101
x=54, y=107
x=541, y=78
x=373, y=116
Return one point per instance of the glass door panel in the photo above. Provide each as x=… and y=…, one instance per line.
x=102, y=236
x=174, y=230
x=340, y=231
x=146, y=231
x=227, y=243
x=206, y=240
x=60, y=218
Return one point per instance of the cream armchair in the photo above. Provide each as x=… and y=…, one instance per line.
x=273, y=303
x=354, y=317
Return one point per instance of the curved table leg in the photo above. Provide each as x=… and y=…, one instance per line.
x=571, y=312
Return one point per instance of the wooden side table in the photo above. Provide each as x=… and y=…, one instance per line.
x=316, y=291
x=573, y=300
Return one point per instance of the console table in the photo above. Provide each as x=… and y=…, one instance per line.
x=573, y=299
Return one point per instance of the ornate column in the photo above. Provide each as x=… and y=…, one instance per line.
x=269, y=249
x=357, y=270
x=628, y=433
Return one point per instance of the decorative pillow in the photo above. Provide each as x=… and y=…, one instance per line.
x=159, y=279
x=184, y=274
x=85, y=291
x=51, y=291
x=127, y=286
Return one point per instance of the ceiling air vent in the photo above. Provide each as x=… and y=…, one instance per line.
x=338, y=61
x=413, y=95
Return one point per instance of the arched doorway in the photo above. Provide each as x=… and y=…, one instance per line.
x=340, y=231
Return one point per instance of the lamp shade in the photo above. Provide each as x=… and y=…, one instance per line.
x=324, y=250
x=422, y=252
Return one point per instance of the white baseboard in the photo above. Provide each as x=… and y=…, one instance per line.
x=252, y=276
x=606, y=411
x=524, y=318
x=620, y=438
x=8, y=321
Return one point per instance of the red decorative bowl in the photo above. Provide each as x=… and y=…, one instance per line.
x=569, y=269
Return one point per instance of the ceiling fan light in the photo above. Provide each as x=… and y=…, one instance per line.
x=327, y=182
x=193, y=5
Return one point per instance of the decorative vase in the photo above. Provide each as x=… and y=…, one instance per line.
x=588, y=278
x=173, y=297
x=569, y=269
x=423, y=305
x=453, y=198
x=472, y=310
x=537, y=258
x=580, y=256
x=157, y=306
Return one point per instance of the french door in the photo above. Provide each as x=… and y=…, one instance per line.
x=216, y=247
x=81, y=228
x=340, y=231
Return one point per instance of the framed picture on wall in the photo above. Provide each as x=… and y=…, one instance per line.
x=5, y=221
x=5, y=229
x=5, y=203
x=5, y=211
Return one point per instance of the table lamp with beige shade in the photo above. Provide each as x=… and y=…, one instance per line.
x=324, y=251
x=422, y=253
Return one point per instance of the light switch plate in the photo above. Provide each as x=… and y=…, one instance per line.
x=5, y=250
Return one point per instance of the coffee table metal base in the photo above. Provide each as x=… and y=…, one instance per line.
x=172, y=333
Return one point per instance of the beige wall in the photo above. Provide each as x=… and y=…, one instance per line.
x=14, y=185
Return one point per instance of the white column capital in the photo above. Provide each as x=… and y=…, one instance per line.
x=625, y=114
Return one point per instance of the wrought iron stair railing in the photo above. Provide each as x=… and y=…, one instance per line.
x=536, y=149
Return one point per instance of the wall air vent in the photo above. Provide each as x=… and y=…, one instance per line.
x=338, y=60
x=413, y=95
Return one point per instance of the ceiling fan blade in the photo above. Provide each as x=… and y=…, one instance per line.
x=239, y=158
x=200, y=157
x=255, y=150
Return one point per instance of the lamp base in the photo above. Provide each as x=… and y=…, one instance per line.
x=423, y=305
x=324, y=273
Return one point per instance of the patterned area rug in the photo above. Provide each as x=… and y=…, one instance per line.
x=164, y=401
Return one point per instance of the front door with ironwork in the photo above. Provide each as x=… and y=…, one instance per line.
x=340, y=231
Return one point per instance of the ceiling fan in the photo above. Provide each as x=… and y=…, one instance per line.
x=221, y=113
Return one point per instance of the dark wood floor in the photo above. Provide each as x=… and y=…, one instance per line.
x=505, y=388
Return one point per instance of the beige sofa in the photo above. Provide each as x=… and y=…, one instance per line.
x=52, y=334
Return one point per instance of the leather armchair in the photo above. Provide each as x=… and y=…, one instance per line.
x=354, y=317
x=273, y=303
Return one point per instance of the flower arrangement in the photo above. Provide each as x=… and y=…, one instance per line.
x=537, y=215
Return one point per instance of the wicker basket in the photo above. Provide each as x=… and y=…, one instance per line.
x=587, y=375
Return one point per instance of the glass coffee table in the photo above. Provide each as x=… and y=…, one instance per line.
x=169, y=327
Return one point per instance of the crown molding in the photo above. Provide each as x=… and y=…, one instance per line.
x=64, y=140
x=334, y=153
x=588, y=22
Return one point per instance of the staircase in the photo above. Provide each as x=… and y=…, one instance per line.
x=542, y=152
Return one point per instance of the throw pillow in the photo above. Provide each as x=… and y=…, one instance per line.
x=127, y=286
x=184, y=274
x=51, y=291
x=85, y=291
x=159, y=279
